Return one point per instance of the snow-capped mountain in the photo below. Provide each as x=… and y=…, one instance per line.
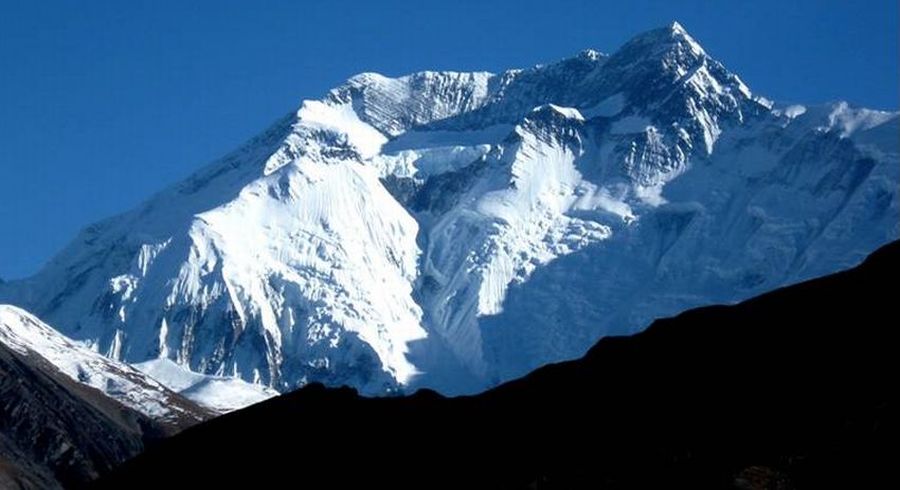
x=454, y=230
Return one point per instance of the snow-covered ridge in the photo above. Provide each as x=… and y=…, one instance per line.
x=148, y=388
x=567, y=112
x=28, y=336
x=453, y=230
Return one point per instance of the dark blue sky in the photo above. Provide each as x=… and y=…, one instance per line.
x=103, y=103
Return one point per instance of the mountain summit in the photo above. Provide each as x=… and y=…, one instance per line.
x=454, y=230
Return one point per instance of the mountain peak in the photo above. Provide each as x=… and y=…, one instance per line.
x=678, y=32
x=677, y=28
x=673, y=37
x=590, y=54
x=425, y=227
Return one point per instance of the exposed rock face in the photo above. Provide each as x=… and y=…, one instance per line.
x=68, y=414
x=56, y=432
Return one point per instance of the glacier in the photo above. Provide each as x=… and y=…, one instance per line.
x=454, y=230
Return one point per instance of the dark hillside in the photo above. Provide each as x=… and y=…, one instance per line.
x=788, y=390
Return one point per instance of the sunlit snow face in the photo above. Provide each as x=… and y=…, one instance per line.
x=454, y=230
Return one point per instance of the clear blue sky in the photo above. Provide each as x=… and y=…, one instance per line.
x=104, y=102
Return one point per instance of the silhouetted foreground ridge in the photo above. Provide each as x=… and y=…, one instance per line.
x=787, y=390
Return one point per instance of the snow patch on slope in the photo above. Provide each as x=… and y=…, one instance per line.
x=849, y=120
x=608, y=107
x=222, y=394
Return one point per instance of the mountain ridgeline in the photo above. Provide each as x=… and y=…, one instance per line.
x=455, y=230
x=55, y=431
x=790, y=390
x=68, y=414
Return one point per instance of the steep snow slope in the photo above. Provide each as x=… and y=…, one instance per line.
x=456, y=229
x=28, y=336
